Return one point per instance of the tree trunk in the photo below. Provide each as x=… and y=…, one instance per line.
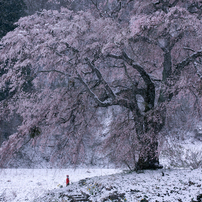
x=148, y=157
x=167, y=64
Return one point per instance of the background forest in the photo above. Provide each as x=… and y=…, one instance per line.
x=100, y=83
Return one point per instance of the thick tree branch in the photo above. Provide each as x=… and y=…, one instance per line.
x=100, y=77
x=190, y=49
x=185, y=62
x=134, y=84
x=150, y=92
x=138, y=67
x=143, y=39
x=166, y=95
x=110, y=102
x=167, y=65
x=97, y=100
x=174, y=40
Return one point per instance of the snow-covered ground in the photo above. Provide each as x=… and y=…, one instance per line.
x=43, y=185
x=153, y=186
x=26, y=184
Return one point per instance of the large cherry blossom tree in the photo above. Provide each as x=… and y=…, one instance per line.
x=60, y=68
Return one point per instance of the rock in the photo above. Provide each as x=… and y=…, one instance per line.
x=144, y=200
x=115, y=196
x=199, y=198
x=82, y=182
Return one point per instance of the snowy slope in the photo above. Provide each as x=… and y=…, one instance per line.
x=20, y=185
x=154, y=186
